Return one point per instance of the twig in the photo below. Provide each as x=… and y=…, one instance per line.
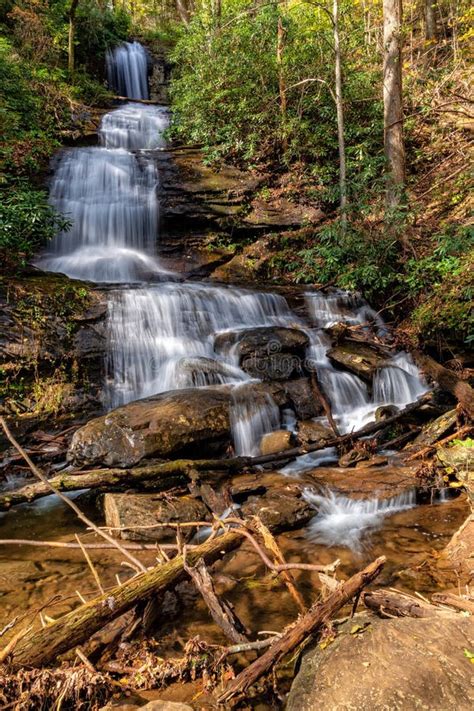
x=221, y=612
x=91, y=566
x=460, y=433
x=271, y=545
x=88, y=546
x=68, y=501
x=278, y=568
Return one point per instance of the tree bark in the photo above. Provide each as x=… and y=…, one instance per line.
x=388, y=603
x=449, y=381
x=294, y=635
x=393, y=103
x=431, y=27
x=281, y=80
x=340, y=114
x=70, y=44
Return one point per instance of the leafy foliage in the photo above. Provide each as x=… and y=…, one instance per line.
x=26, y=223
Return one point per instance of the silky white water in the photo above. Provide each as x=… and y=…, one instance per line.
x=127, y=70
x=341, y=521
x=161, y=333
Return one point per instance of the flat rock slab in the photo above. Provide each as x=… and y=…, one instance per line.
x=365, y=482
x=159, y=426
x=136, y=512
x=395, y=665
x=358, y=358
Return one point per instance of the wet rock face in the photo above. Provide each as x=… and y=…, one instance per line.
x=134, y=511
x=395, y=664
x=358, y=358
x=267, y=353
x=279, y=510
x=310, y=432
x=275, y=442
x=159, y=426
x=52, y=328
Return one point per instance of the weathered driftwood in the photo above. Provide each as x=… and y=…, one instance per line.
x=39, y=647
x=294, y=635
x=220, y=610
x=458, y=603
x=448, y=380
x=390, y=603
x=165, y=475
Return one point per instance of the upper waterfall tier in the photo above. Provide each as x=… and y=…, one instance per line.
x=127, y=70
x=109, y=195
x=134, y=127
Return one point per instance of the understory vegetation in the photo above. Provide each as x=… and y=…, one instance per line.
x=256, y=85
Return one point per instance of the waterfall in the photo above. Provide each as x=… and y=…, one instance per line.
x=162, y=334
x=341, y=521
x=134, y=127
x=252, y=415
x=163, y=338
x=127, y=70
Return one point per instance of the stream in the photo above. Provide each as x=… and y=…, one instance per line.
x=161, y=336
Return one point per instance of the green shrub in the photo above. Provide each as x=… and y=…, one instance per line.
x=27, y=222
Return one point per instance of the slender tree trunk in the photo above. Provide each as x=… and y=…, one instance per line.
x=281, y=80
x=340, y=113
x=393, y=104
x=431, y=29
x=183, y=11
x=72, y=27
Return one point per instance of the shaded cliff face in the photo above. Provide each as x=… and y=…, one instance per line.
x=52, y=343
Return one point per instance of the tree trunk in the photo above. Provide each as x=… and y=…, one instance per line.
x=70, y=45
x=431, y=29
x=448, y=380
x=393, y=104
x=183, y=11
x=340, y=113
x=281, y=81
x=43, y=646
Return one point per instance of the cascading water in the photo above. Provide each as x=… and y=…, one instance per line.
x=163, y=337
x=127, y=70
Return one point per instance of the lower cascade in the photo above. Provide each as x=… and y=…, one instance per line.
x=164, y=334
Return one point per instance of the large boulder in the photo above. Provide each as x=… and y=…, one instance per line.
x=159, y=426
x=137, y=515
x=394, y=664
x=267, y=352
x=358, y=358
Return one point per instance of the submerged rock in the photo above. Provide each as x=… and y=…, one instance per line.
x=358, y=358
x=279, y=510
x=129, y=511
x=395, y=664
x=365, y=481
x=159, y=426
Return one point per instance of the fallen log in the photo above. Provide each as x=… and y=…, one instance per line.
x=390, y=603
x=294, y=635
x=41, y=647
x=165, y=475
x=448, y=380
